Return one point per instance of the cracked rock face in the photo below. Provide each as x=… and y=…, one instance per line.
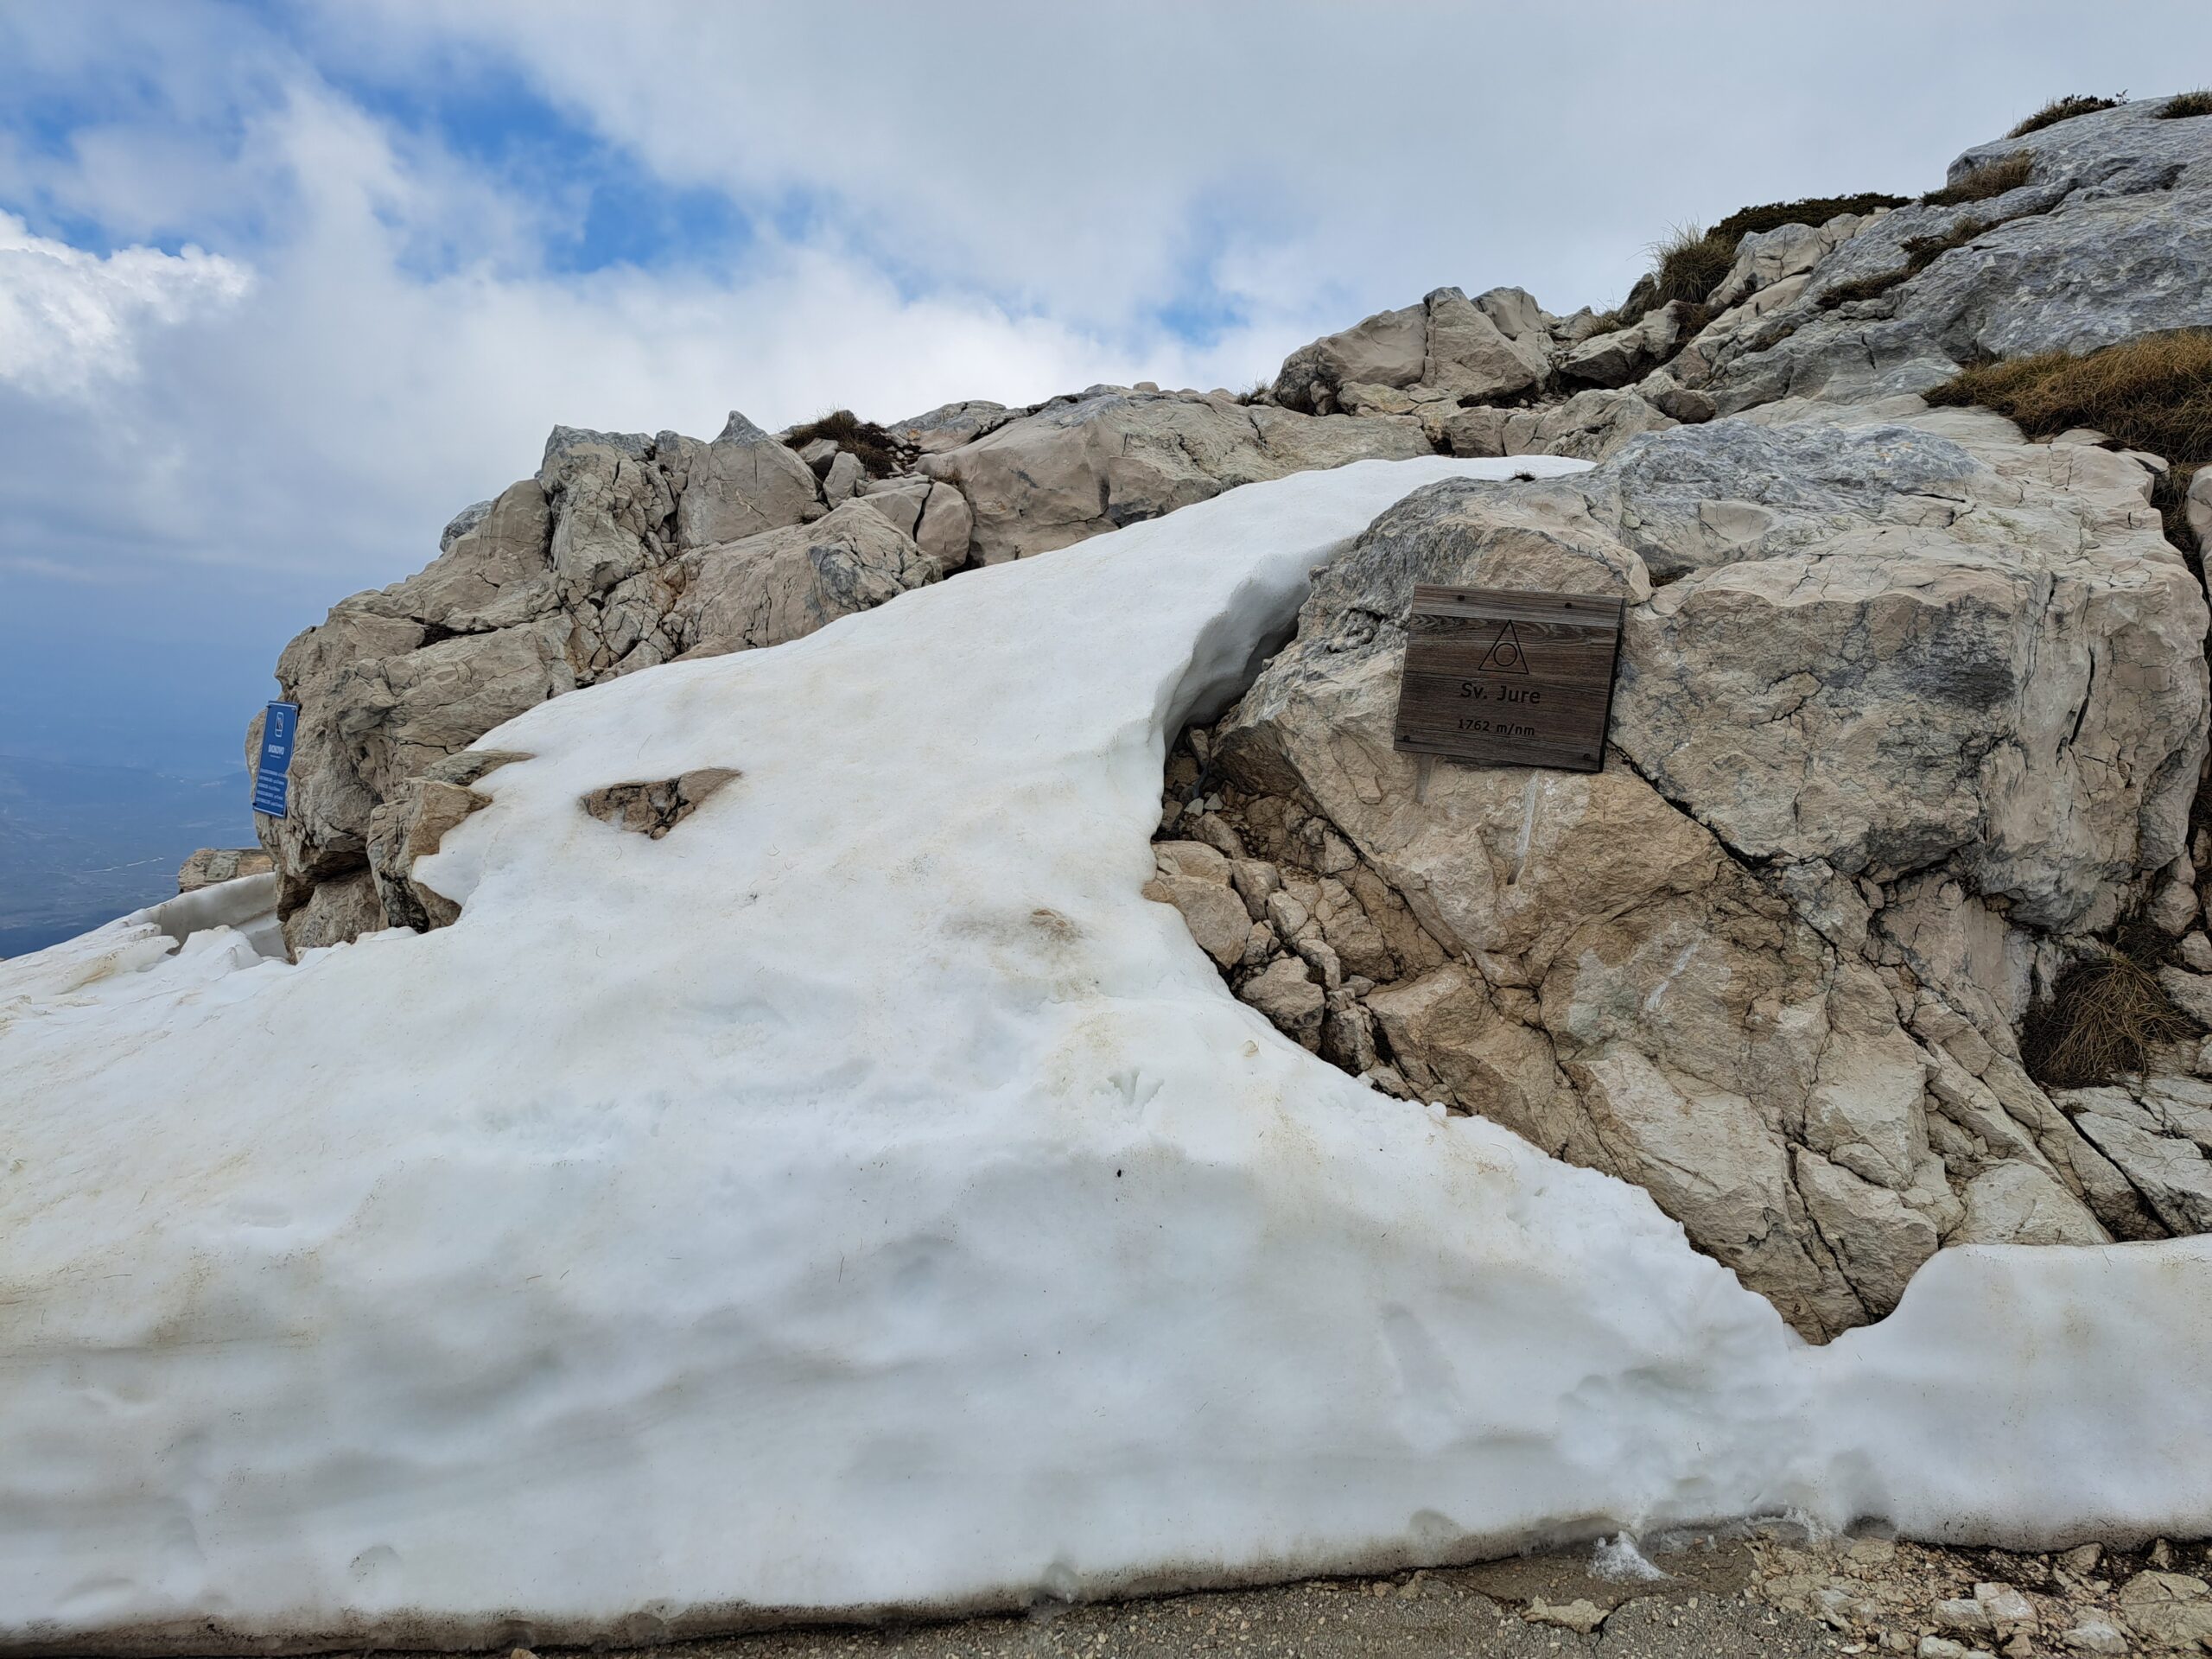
x=1108, y=458
x=1448, y=349
x=1884, y=738
x=2108, y=240
x=623, y=552
x=626, y=550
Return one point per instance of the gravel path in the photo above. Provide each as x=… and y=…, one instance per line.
x=1701, y=1611
x=1770, y=1592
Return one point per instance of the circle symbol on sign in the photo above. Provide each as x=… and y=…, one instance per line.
x=1504, y=655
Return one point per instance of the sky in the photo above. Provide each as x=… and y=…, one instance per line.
x=283, y=287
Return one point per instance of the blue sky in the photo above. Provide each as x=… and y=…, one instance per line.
x=282, y=287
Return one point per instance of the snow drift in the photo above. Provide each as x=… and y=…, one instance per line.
x=861, y=1197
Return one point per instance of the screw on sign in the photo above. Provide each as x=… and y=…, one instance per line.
x=1501, y=677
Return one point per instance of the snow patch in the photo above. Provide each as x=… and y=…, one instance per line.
x=864, y=1198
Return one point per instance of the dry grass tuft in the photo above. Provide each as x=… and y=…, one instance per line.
x=2189, y=104
x=2153, y=393
x=870, y=444
x=2104, y=1017
x=2063, y=109
x=1689, y=263
x=1990, y=179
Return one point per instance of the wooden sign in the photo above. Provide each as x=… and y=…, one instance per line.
x=1506, y=678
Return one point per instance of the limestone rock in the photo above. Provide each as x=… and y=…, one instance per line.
x=2009, y=1613
x=2170, y=1611
x=842, y=479
x=1960, y=1613
x=1765, y=257
x=1794, y=1031
x=1581, y=1615
x=950, y=425
x=407, y=827
x=1479, y=431
x=945, y=528
x=335, y=913
x=900, y=500
x=1882, y=638
x=2170, y=1172
x=2103, y=244
x=1625, y=354
x=1456, y=1046
x=605, y=562
x=462, y=522
x=1215, y=913
x=2012, y=1203
x=934, y=515
x=1592, y=425
x=1475, y=351
x=2093, y=1633
x=213, y=864
x=1388, y=349
x=1471, y=356
x=742, y=483
x=2192, y=993
x=652, y=809
x=782, y=584
x=413, y=824
x=1097, y=462
x=1285, y=992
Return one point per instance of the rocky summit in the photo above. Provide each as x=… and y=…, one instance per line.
x=1909, y=732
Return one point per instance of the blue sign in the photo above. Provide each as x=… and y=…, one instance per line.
x=271, y=786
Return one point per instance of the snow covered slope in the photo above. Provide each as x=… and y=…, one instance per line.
x=863, y=1198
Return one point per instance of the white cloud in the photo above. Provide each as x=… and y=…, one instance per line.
x=69, y=318
x=985, y=199
x=335, y=414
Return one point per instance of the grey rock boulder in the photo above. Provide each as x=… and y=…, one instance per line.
x=213, y=864
x=1767, y=963
x=1475, y=351
x=1626, y=355
x=742, y=483
x=1081, y=466
x=2104, y=242
x=952, y=425
x=609, y=560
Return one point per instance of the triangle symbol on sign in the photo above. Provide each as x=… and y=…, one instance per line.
x=1505, y=655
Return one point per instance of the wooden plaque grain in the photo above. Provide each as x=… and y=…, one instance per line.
x=1502, y=678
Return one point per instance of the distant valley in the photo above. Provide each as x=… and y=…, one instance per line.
x=81, y=845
